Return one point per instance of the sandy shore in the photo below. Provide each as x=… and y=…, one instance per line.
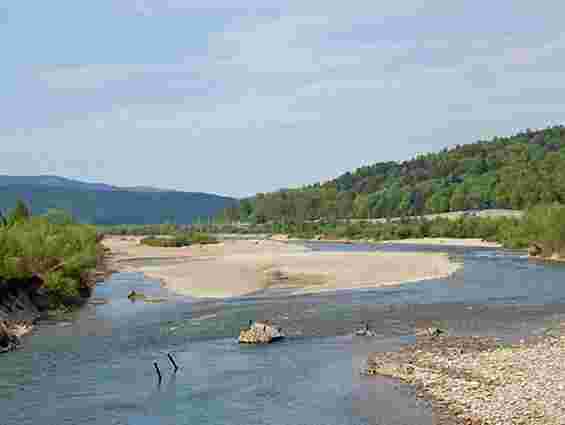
x=473, y=243
x=236, y=268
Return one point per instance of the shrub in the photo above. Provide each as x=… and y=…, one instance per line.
x=61, y=255
x=165, y=242
x=179, y=240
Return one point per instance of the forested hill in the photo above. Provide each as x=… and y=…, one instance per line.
x=105, y=204
x=507, y=172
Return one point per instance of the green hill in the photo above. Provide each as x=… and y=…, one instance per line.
x=104, y=204
x=514, y=172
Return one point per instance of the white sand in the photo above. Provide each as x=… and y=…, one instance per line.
x=236, y=268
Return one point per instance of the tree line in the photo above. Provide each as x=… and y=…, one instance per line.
x=516, y=172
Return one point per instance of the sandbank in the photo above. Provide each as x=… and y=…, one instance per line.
x=466, y=242
x=236, y=268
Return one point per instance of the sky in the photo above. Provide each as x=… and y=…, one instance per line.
x=242, y=96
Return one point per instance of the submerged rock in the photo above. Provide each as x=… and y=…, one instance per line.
x=431, y=332
x=365, y=331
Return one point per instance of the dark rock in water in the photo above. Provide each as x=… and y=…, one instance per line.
x=133, y=295
x=365, y=332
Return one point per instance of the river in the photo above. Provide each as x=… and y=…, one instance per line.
x=96, y=368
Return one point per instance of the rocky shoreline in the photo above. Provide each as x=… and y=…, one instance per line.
x=479, y=380
x=24, y=302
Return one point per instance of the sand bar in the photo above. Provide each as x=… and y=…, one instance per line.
x=236, y=268
x=467, y=242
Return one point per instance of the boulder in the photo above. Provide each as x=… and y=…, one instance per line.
x=535, y=250
x=260, y=333
x=435, y=332
x=8, y=340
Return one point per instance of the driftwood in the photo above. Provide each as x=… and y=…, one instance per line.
x=159, y=376
x=172, y=360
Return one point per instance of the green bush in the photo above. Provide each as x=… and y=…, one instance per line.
x=179, y=240
x=545, y=226
x=202, y=238
x=62, y=255
x=165, y=242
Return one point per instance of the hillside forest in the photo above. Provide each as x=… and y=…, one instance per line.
x=516, y=172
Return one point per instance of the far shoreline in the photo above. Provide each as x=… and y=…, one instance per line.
x=460, y=242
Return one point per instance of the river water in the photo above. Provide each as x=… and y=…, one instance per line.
x=97, y=367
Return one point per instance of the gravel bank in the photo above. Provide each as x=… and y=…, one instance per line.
x=478, y=380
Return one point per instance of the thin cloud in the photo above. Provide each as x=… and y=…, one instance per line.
x=325, y=86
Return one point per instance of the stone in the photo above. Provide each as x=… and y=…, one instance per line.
x=260, y=333
x=535, y=250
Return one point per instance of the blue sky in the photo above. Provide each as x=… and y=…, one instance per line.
x=237, y=97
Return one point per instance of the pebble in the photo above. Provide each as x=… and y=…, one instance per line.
x=521, y=384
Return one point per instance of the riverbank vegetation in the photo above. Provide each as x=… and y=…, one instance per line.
x=139, y=229
x=504, y=229
x=179, y=240
x=543, y=230
x=542, y=226
x=62, y=256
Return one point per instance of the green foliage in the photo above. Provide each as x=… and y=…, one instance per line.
x=545, y=226
x=138, y=229
x=173, y=242
x=19, y=214
x=508, y=231
x=179, y=240
x=62, y=255
x=515, y=172
x=202, y=238
x=61, y=288
x=57, y=216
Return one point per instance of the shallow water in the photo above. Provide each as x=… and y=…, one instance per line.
x=97, y=368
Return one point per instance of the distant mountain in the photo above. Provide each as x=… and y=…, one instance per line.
x=53, y=181
x=144, y=189
x=100, y=203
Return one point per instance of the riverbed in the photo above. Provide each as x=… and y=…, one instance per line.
x=96, y=367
